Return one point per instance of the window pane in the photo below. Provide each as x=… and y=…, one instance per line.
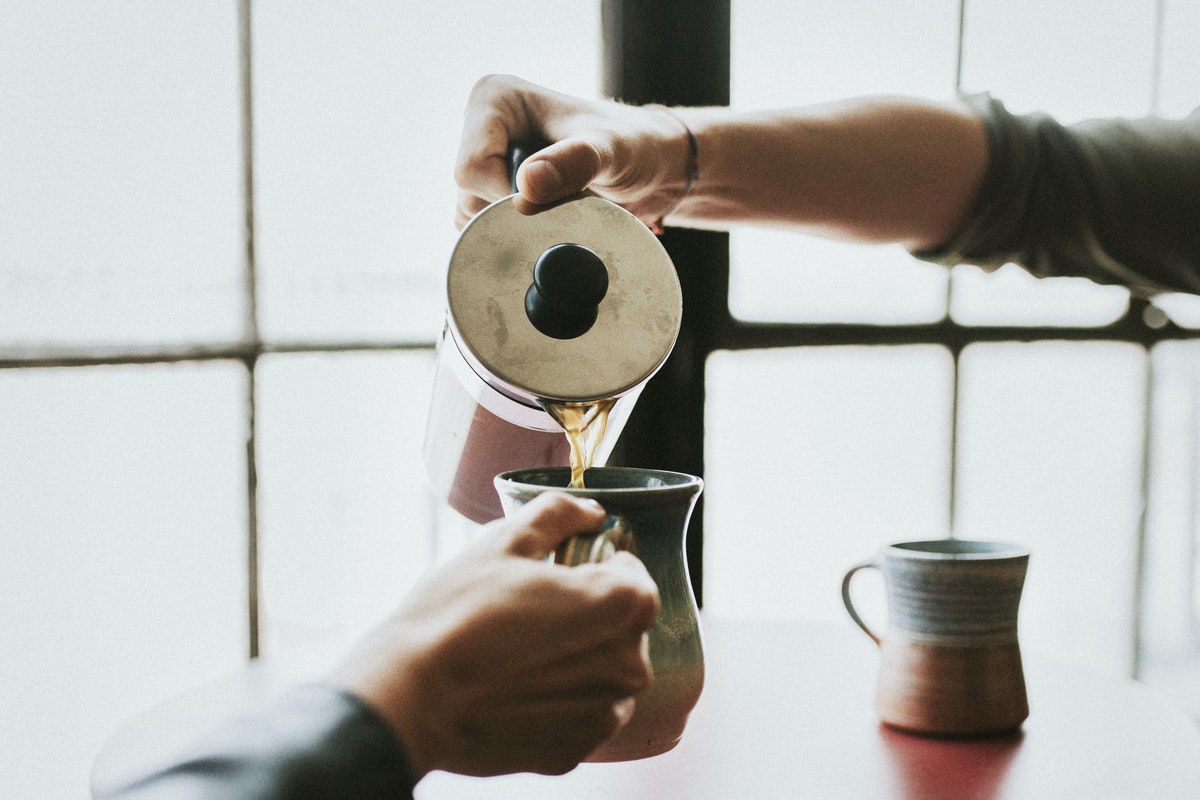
x=847, y=48
x=788, y=277
x=347, y=520
x=814, y=458
x=1182, y=309
x=1179, y=92
x=123, y=528
x=1072, y=58
x=786, y=52
x=358, y=112
x=1050, y=457
x=1171, y=614
x=1011, y=296
x=120, y=187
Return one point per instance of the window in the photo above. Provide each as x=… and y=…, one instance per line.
x=852, y=397
x=145, y=335
x=898, y=401
x=227, y=226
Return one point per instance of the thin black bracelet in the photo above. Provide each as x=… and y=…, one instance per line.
x=692, y=170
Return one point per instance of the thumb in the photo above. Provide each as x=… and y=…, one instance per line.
x=548, y=520
x=557, y=171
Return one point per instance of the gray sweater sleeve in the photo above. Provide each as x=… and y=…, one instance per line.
x=1116, y=201
x=315, y=743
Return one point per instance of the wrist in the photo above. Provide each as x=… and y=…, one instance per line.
x=679, y=181
x=385, y=673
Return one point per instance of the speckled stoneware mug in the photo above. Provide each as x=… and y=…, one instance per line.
x=950, y=662
x=648, y=512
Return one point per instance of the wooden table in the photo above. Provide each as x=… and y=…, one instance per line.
x=786, y=713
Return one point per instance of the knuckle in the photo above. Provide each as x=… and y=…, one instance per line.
x=632, y=606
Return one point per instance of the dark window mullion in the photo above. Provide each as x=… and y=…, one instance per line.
x=676, y=52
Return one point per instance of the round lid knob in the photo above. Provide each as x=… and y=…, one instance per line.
x=577, y=302
x=569, y=281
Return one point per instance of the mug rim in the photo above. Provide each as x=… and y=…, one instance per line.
x=665, y=480
x=972, y=550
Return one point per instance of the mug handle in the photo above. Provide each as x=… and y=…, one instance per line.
x=849, y=604
x=614, y=536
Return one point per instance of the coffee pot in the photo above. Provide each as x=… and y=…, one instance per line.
x=577, y=303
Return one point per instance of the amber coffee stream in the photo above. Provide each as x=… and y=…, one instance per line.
x=584, y=424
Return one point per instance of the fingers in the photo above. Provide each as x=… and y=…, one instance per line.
x=549, y=738
x=627, y=595
x=495, y=116
x=504, y=109
x=556, y=172
x=539, y=526
x=624, y=594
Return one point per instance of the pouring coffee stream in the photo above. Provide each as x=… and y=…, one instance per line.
x=555, y=321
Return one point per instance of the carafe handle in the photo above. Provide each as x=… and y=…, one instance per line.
x=518, y=152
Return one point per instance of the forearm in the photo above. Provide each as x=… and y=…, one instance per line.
x=875, y=170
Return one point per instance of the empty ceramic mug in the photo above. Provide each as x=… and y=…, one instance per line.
x=950, y=662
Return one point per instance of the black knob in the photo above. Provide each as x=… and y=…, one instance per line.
x=569, y=281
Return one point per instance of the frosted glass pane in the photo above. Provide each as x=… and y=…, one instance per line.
x=1171, y=613
x=1050, y=457
x=347, y=520
x=122, y=523
x=359, y=112
x=787, y=277
x=1182, y=309
x=120, y=184
x=1072, y=58
x=1011, y=296
x=787, y=53
x=813, y=459
x=784, y=52
x=1179, y=92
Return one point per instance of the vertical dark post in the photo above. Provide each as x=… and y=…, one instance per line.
x=251, y=335
x=676, y=52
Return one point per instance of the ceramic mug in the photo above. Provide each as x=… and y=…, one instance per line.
x=648, y=513
x=950, y=662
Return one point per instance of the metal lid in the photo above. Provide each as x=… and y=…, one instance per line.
x=637, y=316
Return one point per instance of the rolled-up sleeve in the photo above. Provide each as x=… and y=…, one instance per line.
x=1114, y=200
x=316, y=743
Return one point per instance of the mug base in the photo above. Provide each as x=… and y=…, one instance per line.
x=659, y=717
x=951, y=691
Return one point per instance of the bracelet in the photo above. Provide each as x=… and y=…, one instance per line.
x=692, y=171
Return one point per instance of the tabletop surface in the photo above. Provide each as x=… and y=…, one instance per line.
x=787, y=713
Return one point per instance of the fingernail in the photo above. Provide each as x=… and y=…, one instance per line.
x=624, y=710
x=543, y=181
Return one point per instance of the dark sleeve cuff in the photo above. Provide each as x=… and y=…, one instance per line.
x=315, y=743
x=1112, y=200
